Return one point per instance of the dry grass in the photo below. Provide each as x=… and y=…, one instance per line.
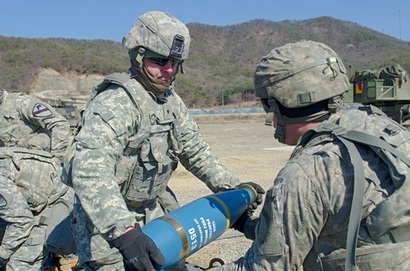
x=247, y=147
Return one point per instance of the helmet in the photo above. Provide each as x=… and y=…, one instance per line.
x=160, y=33
x=300, y=82
x=300, y=74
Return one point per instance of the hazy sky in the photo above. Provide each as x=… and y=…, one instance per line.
x=111, y=19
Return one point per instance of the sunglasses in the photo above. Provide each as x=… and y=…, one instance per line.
x=162, y=61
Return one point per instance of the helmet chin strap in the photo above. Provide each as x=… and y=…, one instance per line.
x=280, y=126
x=136, y=56
x=138, y=71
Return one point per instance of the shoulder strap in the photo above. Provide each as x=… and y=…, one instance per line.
x=357, y=199
x=348, y=138
x=356, y=207
x=363, y=138
x=373, y=141
x=119, y=79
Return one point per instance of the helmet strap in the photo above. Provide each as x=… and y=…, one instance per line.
x=280, y=126
x=271, y=109
x=136, y=56
x=140, y=56
x=335, y=104
x=138, y=72
x=180, y=67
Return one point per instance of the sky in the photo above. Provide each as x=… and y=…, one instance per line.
x=112, y=19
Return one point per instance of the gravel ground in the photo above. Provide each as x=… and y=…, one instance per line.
x=247, y=147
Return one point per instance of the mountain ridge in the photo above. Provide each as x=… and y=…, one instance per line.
x=221, y=63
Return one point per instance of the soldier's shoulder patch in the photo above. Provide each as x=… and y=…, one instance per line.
x=41, y=110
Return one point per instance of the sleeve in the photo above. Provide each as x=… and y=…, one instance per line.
x=107, y=123
x=16, y=213
x=197, y=156
x=43, y=115
x=290, y=222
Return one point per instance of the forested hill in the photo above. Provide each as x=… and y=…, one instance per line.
x=222, y=58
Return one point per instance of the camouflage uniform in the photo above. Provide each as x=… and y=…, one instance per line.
x=30, y=123
x=306, y=212
x=153, y=133
x=304, y=222
x=30, y=186
x=102, y=142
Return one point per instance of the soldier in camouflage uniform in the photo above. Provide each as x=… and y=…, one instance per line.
x=27, y=123
x=30, y=189
x=134, y=132
x=30, y=123
x=305, y=221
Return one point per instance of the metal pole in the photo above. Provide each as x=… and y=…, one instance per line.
x=399, y=25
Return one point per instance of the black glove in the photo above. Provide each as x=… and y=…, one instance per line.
x=239, y=224
x=138, y=250
x=3, y=262
x=259, y=197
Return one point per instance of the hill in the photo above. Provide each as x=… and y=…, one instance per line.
x=221, y=62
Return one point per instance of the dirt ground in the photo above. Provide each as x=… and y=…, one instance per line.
x=248, y=149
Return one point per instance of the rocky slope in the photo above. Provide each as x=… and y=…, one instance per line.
x=52, y=84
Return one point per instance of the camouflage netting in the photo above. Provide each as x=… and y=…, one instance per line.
x=393, y=71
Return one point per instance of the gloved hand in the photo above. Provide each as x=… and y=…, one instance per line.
x=259, y=197
x=239, y=224
x=138, y=250
x=3, y=262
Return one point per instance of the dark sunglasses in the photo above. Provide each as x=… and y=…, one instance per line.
x=162, y=61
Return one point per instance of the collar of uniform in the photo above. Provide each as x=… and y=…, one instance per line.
x=163, y=97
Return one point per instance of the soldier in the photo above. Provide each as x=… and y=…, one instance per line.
x=346, y=184
x=137, y=118
x=30, y=123
x=33, y=203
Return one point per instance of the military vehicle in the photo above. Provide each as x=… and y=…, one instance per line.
x=69, y=108
x=387, y=88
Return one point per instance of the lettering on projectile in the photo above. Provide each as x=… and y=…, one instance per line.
x=193, y=239
x=204, y=229
x=204, y=226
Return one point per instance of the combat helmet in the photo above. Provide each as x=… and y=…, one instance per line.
x=300, y=74
x=160, y=33
x=301, y=81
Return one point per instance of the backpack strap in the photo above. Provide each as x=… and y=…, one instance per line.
x=355, y=215
x=373, y=141
x=348, y=138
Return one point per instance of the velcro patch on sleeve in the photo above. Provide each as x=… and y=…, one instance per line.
x=41, y=110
